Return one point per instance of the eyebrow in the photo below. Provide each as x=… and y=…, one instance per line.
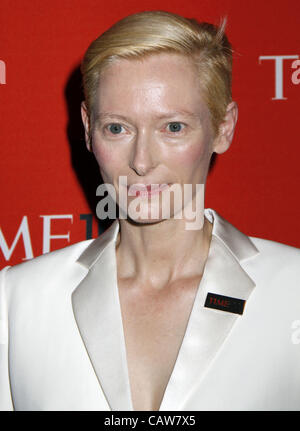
x=103, y=115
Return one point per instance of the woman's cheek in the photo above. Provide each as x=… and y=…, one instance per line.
x=108, y=161
x=103, y=155
x=191, y=155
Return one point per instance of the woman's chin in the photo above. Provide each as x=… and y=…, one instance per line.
x=145, y=217
x=143, y=221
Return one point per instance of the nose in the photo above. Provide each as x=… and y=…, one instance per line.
x=142, y=157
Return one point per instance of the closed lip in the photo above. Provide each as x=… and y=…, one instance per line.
x=147, y=189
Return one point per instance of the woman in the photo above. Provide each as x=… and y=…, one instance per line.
x=168, y=317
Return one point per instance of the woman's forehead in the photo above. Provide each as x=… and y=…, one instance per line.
x=162, y=79
x=162, y=66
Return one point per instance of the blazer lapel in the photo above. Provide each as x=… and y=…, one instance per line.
x=98, y=314
x=208, y=328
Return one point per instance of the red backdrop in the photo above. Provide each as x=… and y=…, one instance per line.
x=48, y=178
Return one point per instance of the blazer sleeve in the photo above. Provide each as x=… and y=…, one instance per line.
x=6, y=403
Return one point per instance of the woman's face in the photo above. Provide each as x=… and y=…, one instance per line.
x=153, y=127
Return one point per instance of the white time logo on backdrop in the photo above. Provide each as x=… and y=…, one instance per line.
x=295, y=75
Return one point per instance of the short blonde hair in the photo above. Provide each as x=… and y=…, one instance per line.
x=151, y=32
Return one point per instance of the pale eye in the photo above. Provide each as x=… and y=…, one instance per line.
x=115, y=128
x=175, y=127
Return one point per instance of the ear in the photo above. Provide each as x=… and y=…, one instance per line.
x=86, y=123
x=226, y=131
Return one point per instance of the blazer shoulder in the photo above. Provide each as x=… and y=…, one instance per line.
x=43, y=268
x=276, y=250
x=276, y=264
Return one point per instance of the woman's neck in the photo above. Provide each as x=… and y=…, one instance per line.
x=160, y=253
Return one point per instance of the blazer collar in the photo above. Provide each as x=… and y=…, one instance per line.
x=98, y=315
x=237, y=242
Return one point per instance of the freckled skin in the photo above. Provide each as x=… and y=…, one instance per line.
x=146, y=150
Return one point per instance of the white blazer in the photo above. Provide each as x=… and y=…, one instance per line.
x=62, y=342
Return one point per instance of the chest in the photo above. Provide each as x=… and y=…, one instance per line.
x=154, y=323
